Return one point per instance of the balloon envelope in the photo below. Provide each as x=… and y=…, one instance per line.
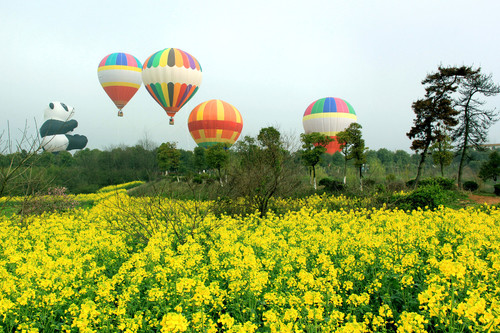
x=213, y=122
x=328, y=116
x=172, y=77
x=120, y=76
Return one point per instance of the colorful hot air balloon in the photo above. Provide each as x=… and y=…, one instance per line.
x=171, y=77
x=213, y=122
x=120, y=76
x=328, y=116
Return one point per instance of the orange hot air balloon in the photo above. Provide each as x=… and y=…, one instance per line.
x=213, y=122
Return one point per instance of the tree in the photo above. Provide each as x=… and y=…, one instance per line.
x=386, y=157
x=169, y=157
x=401, y=160
x=353, y=147
x=264, y=168
x=17, y=174
x=314, y=145
x=435, y=112
x=345, y=146
x=474, y=120
x=442, y=154
x=491, y=168
x=200, y=163
x=217, y=157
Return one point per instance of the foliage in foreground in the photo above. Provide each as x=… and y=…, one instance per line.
x=310, y=270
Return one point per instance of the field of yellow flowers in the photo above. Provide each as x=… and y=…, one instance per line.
x=309, y=269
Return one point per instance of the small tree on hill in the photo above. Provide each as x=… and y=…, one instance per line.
x=314, y=146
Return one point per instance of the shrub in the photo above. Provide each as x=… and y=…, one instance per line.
x=425, y=197
x=331, y=185
x=395, y=186
x=443, y=183
x=470, y=185
x=497, y=189
x=56, y=199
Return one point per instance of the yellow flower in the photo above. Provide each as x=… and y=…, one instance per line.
x=411, y=322
x=173, y=322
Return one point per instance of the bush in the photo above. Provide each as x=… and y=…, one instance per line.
x=56, y=199
x=331, y=185
x=470, y=186
x=497, y=189
x=443, y=183
x=426, y=197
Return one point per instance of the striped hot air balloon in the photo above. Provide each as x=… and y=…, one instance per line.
x=328, y=116
x=172, y=77
x=120, y=76
x=213, y=122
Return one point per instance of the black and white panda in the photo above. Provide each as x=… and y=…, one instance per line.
x=57, y=124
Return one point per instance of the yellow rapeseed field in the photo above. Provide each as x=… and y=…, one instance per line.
x=308, y=269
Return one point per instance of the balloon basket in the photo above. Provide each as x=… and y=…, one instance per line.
x=120, y=113
x=171, y=121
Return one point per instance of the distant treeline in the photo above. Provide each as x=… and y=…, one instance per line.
x=90, y=169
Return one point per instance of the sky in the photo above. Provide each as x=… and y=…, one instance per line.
x=268, y=58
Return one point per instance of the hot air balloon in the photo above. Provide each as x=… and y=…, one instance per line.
x=120, y=76
x=171, y=77
x=213, y=122
x=328, y=116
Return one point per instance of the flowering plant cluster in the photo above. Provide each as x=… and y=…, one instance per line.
x=309, y=269
x=125, y=186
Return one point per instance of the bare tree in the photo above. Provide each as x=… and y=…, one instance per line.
x=473, y=120
x=17, y=173
x=262, y=169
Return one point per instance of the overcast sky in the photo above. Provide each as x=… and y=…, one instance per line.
x=268, y=58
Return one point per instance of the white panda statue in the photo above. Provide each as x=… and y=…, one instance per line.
x=57, y=124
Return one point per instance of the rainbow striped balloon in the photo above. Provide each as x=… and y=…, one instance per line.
x=120, y=76
x=172, y=77
x=213, y=122
x=328, y=116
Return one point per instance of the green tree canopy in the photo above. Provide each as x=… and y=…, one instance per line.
x=168, y=157
x=435, y=112
x=491, y=168
x=314, y=146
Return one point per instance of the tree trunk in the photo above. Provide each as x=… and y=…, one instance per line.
x=464, y=148
x=219, y=172
x=314, y=177
x=345, y=171
x=361, y=178
x=461, y=164
x=421, y=165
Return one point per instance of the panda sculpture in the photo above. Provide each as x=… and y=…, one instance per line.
x=57, y=124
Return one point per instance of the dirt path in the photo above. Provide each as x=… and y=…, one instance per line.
x=481, y=199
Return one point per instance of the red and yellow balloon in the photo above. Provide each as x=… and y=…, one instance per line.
x=120, y=76
x=214, y=122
